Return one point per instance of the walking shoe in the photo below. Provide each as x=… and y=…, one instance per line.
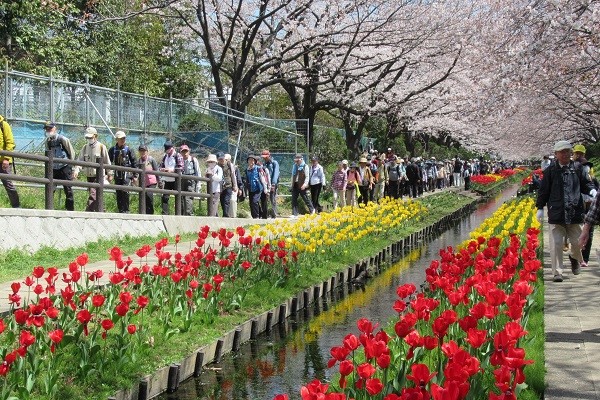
x=557, y=278
x=583, y=264
x=575, y=268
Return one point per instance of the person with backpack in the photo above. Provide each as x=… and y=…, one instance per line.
x=413, y=175
x=90, y=152
x=273, y=166
x=265, y=179
x=214, y=173
x=374, y=167
x=147, y=163
x=316, y=182
x=60, y=147
x=457, y=171
x=121, y=154
x=191, y=167
x=254, y=185
x=7, y=142
x=339, y=181
x=229, y=186
x=172, y=161
x=396, y=173
x=366, y=180
x=300, y=179
x=240, y=195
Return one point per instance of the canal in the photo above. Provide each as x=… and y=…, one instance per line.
x=293, y=354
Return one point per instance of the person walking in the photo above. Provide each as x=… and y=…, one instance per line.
x=121, y=154
x=339, y=181
x=191, y=167
x=240, y=194
x=214, y=172
x=91, y=152
x=7, y=142
x=561, y=191
x=254, y=185
x=316, y=182
x=148, y=164
x=300, y=177
x=273, y=166
x=172, y=161
x=229, y=186
x=352, y=185
x=579, y=151
x=61, y=149
x=366, y=180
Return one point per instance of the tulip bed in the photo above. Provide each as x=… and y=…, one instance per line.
x=485, y=183
x=59, y=343
x=463, y=336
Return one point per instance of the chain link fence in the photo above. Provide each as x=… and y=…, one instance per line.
x=205, y=125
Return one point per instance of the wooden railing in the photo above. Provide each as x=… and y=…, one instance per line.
x=50, y=183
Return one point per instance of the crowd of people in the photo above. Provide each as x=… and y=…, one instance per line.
x=374, y=176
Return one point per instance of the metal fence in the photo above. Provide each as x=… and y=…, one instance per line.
x=27, y=101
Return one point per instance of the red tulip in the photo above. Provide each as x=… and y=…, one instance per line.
x=26, y=339
x=131, y=328
x=98, y=300
x=82, y=259
x=38, y=271
x=373, y=386
x=365, y=370
x=107, y=324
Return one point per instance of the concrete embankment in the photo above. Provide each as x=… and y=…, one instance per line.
x=31, y=230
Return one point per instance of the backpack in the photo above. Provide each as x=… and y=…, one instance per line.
x=374, y=172
x=265, y=178
x=394, y=173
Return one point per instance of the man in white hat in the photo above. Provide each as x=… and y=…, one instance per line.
x=561, y=191
x=172, y=162
x=215, y=173
x=93, y=151
x=120, y=154
x=191, y=167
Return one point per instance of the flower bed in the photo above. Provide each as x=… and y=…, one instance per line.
x=490, y=182
x=86, y=331
x=462, y=336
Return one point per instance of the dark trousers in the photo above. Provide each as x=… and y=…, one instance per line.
x=273, y=199
x=296, y=191
x=165, y=197
x=585, y=252
x=11, y=191
x=66, y=174
x=413, y=187
x=254, y=199
x=187, y=202
x=393, y=189
x=315, y=192
x=264, y=205
x=149, y=201
x=122, y=195
x=363, y=197
x=467, y=182
x=226, y=201
x=92, y=203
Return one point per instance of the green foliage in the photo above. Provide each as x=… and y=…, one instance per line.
x=74, y=40
x=329, y=146
x=195, y=121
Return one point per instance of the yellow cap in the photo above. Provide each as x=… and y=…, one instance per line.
x=580, y=148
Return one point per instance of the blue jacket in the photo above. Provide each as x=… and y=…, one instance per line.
x=273, y=167
x=253, y=180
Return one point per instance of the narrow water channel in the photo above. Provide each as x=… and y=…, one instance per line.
x=292, y=355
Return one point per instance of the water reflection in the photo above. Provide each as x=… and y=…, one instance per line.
x=297, y=352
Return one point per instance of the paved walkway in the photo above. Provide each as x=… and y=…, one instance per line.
x=572, y=327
